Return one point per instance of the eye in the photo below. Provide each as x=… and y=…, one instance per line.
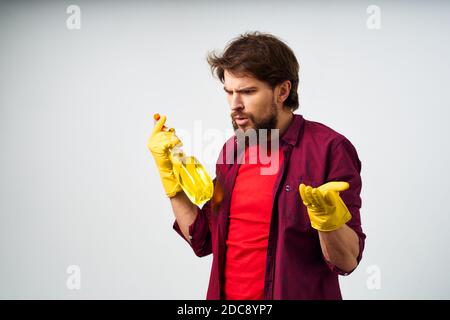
x=248, y=91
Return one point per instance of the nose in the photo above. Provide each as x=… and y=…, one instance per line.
x=236, y=102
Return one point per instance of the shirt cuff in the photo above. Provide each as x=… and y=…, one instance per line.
x=199, y=234
x=358, y=259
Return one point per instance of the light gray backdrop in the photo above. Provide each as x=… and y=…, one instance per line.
x=79, y=187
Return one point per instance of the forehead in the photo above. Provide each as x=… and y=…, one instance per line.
x=235, y=81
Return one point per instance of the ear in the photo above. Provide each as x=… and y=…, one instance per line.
x=284, y=89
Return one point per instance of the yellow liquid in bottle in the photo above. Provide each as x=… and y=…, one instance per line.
x=193, y=178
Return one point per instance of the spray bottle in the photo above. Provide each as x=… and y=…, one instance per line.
x=190, y=173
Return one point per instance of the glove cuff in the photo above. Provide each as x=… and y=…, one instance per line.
x=346, y=217
x=174, y=192
x=170, y=183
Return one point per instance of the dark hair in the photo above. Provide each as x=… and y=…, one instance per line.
x=263, y=56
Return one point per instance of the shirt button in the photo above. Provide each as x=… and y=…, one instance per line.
x=288, y=188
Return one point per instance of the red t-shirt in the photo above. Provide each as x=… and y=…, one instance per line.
x=250, y=215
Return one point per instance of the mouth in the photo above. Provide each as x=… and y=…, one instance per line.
x=241, y=121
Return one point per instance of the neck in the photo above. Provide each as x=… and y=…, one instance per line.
x=284, y=120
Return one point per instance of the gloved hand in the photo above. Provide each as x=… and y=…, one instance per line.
x=159, y=143
x=326, y=209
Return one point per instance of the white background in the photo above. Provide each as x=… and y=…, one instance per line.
x=79, y=187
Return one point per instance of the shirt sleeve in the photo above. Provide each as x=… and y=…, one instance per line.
x=199, y=231
x=344, y=165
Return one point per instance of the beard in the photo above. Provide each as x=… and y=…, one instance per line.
x=269, y=122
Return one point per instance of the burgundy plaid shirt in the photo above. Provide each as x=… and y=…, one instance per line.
x=295, y=266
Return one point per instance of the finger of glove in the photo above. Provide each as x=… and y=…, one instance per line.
x=309, y=196
x=334, y=186
x=318, y=197
x=330, y=199
x=162, y=141
x=302, y=189
x=313, y=198
x=173, y=140
x=159, y=125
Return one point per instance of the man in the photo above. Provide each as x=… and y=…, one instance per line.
x=286, y=235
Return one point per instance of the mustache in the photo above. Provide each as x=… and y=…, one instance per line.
x=239, y=114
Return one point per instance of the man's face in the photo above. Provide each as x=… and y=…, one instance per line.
x=251, y=101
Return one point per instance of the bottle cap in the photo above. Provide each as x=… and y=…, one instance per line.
x=157, y=116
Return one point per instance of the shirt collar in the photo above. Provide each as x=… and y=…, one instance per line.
x=290, y=136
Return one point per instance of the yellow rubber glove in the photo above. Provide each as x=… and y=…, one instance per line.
x=326, y=209
x=159, y=143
